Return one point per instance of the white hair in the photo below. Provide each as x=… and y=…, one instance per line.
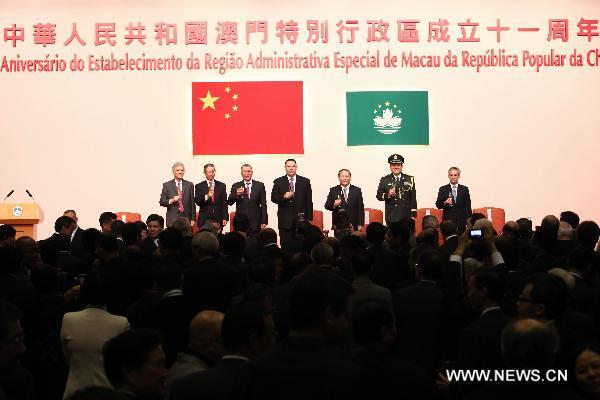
x=177, y=164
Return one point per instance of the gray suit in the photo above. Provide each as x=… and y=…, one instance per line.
x=169, y=190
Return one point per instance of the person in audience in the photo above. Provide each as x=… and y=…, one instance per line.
x=430, y=221
x=247, y=333
x=364, y=288
x=76, y=247
x=83, y=334
x=588, y=234
x=303, y=366
x=387, y=376
x=527, y=344
x=587, y=370
x=106, y=219
x=116, y=228
x=7, y=235
x=134, y=363
x=204, y=348
x=16, y=382
x=155, y=224
x=571, y=218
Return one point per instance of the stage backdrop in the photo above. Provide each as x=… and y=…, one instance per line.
x=97, y=97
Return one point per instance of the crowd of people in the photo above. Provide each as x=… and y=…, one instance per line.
x=142, y=310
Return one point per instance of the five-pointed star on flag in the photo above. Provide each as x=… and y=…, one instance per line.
x=234, y=108
x=227, y=116
x=387, y=103
x=235, y=97
x=227, y=89
x=208, y=101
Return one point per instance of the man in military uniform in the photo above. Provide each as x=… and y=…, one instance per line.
x=398, y=191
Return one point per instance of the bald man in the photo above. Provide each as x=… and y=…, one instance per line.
x=204, y=346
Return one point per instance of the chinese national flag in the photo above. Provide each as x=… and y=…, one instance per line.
x=247, y=118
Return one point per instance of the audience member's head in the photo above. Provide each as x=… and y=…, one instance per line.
x=233, y=244
x=247, y=330
x=267, y=237
x=143, y=229
x=312, y=236
x=167, y=276
x=511, y=230
x=169, y=241
x=205, y=336
x=376, y=233
x=588, y=233
x=322, y=254
x=7, y=235
x=571, y=218
x=580, y=260
x=373, y=323
x=430, y=264
x=134, y=361
x=107, y=246
x=429, y=237
x=551, y=222
x=567, y=278
x=485, y=288
x=398, y=233
x=241, y=223
x=155, y=224
x=183, y=225
x=448, y=228
x=89, y=238
x=93, y=289
x=587, y=370
x=204, y=245
x=318, y=303
x=525, y=227
x=565, y=232
x=12, y=344
x=71, y=214
x=544, y=297
x=131, y=234
x=64, y=225
x=529, y=344
x=263, y=270
x=430, y=221
x=106, y=219
x=116, y=228
x=474, y=218
x=299, y=263
x=216, y=225
x=361, y=263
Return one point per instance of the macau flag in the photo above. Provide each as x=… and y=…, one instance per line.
x=387, y=118
x=247, y=118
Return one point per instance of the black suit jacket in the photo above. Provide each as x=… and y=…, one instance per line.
x=460, y=210
x=404, y=204
x=254, y=207
x=208, y=209
x=169, y=190
x=76, y=248
x=301, y=202
x=354, y=208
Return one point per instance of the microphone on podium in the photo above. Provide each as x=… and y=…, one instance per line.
x=9, y=194
x=29, y=194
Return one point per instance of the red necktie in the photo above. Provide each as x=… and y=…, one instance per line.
x=247, y=190
x=292, y=184
x=212, y=199
x=180, y=194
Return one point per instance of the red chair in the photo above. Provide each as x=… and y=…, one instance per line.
x=422, y=212
x=126, y=216
x=317, y=219
x=372, y=215
x=496, y=215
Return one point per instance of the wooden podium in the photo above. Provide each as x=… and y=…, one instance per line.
x=22, y=216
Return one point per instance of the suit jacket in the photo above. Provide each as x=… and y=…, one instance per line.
x=354, y=208
x=76, y=247
x=404, y=203
x=169, y=190
x=301, y=202
x=460, y=210
x=83, y=334
x=208, y=209
x=254, y=207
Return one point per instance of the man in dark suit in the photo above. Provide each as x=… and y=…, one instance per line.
x=250, y=198
x=211, y=197
x=76, y=247
x=398, y=191
x=347, y=198
x=178, y=196
x=455, y=200
x=155, y=224
x=293, y=195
